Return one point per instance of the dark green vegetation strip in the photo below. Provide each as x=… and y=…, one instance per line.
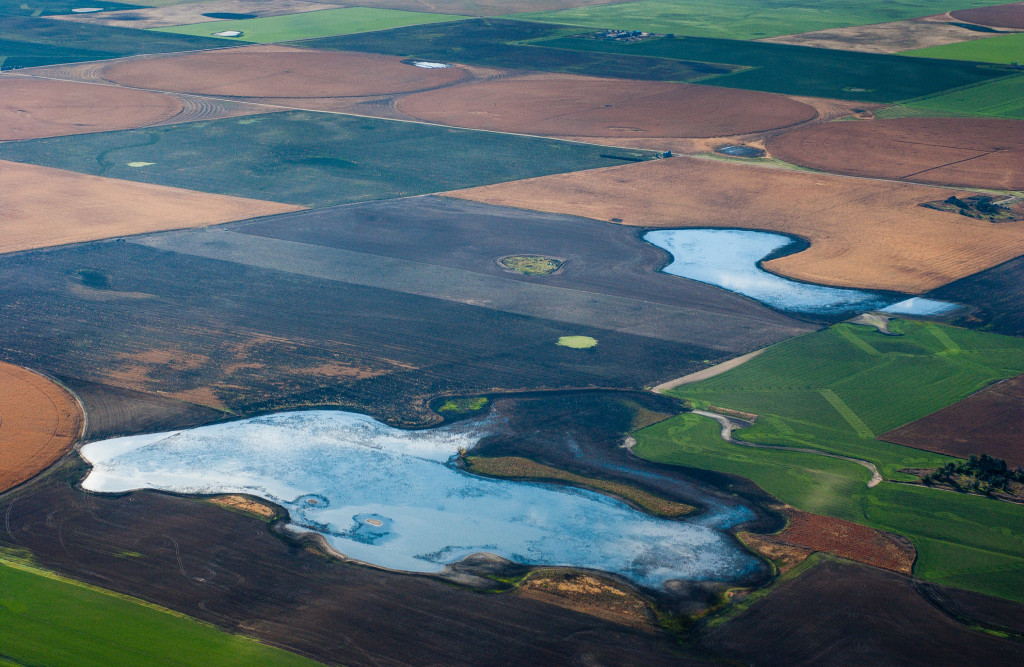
x=33, y=42
x=493, y=42
x=314, y=159
x=966, y=541
x=802, y=70
x=52, y=7
x=55, y=621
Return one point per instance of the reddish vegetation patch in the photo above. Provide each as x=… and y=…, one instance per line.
x=39, y=422
x=999, y=16
x=969, y=152
x=564, y=105
x=280, y=72
x=34, y=108
x=988, y=422
x=847, y=540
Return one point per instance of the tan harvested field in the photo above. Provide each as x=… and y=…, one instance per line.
x=958, y=152
x=481, y=7
x=47, y=207
x=997, y=16
x=863, y=233
x=39, y=422
x=33, y=108
x=280, y=72
x=886, y=37
x=589, y=107
x=184, y=14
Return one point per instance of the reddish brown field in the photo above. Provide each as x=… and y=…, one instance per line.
x=564, y=105
x=848, y=540
x=863, y=233
x=33, y=108
x=988, y=422
x=39, y=422
x=999, y=16
x=959, y=152
x=280, y=72
x=47, y=207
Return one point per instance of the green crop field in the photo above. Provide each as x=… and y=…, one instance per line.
x=746, y=19
x=314, y=159
x=54, y=7
x=965, y=541
x=48, y=620
x=1002, y=98
x=307, y=25
x=801, y=70
x=1005, y=49
x=837, y=389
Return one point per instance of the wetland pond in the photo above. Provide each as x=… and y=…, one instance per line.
x=394, y=498
x=729, y=258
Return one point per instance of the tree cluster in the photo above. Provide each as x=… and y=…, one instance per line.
x=982, y=474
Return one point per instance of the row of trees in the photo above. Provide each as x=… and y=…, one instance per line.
x=983, y=474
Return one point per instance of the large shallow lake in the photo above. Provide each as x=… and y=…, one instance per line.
x=392, y=498
x=729, y=258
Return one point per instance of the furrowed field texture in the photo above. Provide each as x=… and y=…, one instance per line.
x=1002, y=98
x=310, y=24
x=495, y=43
x=1004, y=49
x=27, y=42
x=314, y=159
x=746, y=19
x=835, y=404
x=801, y=70
x=50, y=620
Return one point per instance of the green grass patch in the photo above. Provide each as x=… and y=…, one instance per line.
x=463, y=406
x=1002, y=98
x=577, y=342
x=746, y=19
x=1005, y=49
x=307, y=25
x=836, y=389
x=532, y=265
x=802, y=70
x=314, y=159
x=50, y=620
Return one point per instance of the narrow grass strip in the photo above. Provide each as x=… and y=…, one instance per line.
x=849, y=415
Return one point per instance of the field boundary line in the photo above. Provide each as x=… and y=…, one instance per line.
x=856, y=341
x=707, y=373
x=847, y=413
x=942, y=337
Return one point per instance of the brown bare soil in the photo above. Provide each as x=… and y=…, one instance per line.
x=846, y=539
x=988, y=422
x=39, y=422
x=848, y=614
x=280, y=72
x=46, y=207
x=998, y=16
x=245, y=504
x=590, y=595
x=887, y=37
x=960, y=152
x=482, y=7
x=588, y=107
x=184, y=14
x=785, y=556
x=863, y=233
x=33, y=108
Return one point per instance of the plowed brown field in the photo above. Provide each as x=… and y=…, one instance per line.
x=863, y=233
x=847, y=540
x=588, y=107
x=47, y=207
x=34, y=108
x=999, y=16
x=988, y=422
x=39, y=421
x=960, y=152
x=280, y=72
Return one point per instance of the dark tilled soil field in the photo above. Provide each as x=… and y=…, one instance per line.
x=988, y=422
x=252, y=340
x=230, y=570
x=996, y=296
x=1001, y=16
x=845, y=614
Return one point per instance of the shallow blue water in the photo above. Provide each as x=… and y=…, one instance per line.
x=390, y=497
x=728, y=258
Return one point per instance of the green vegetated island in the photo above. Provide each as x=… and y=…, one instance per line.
x=837, y=390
